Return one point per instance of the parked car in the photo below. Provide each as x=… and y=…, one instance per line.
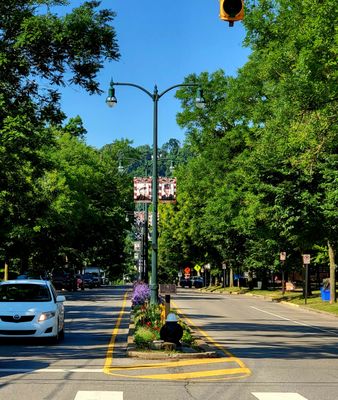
x=64, y=280
x=88, y=280
x=197, y=281
x=185, y=282
x=96, y=279
x=31, y=308
x=29, y=275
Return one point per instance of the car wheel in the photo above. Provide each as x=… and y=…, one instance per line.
x=55, y=339
x=62, y=334
x=59, y=336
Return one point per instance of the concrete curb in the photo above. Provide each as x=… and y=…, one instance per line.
x=206, y=350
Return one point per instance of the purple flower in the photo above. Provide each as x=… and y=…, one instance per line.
x=141, y=294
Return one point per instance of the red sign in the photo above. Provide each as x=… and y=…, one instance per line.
x=187, y=270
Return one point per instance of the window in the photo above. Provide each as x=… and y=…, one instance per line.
x=24, y=293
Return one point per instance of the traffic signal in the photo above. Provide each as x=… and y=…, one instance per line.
x=231, y=10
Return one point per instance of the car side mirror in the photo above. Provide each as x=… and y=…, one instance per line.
x=60, y=299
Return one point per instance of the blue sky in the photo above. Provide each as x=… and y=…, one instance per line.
x=161, y=42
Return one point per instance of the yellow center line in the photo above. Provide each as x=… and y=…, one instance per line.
x=110, y=350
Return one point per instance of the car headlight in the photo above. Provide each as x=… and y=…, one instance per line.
x=46, y=315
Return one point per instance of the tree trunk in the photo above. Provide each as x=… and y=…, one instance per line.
x=6, y=271
x=231, y=277
x=333, y=298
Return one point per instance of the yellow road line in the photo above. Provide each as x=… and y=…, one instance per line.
x=180, y=363
x=110, y=350
x=197, y=374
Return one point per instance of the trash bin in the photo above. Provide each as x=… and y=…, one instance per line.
x=325, y=294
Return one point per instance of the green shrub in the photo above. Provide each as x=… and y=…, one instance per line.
x=187, y=337
x=144, y=336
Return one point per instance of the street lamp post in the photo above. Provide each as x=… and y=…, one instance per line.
x=155, y=96
x=143, y=274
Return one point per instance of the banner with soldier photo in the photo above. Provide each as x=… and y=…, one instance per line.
x=137, y=246
x=142, y=190
x=139, y=217
x=167, y=190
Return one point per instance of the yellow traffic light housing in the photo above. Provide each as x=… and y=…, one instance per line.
x=231, y=10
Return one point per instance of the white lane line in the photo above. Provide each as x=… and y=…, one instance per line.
x=48, y=370
x=295, y=322
x=91, y=395
x=278, y=396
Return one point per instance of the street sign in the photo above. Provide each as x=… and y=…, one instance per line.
x=197, y=267
x=179, y=274
x=306, y=259
x=167, y=288
x=187, y=270
x=282, y=256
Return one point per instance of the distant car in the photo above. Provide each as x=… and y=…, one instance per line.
x=88, y=281
x=29, y=276
x=64, y=280
x=197, y=282
x=96, y=279
x=31, y=308
x=22, y=277
x=185, y=282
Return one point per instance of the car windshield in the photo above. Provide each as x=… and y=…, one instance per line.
x=24, y=293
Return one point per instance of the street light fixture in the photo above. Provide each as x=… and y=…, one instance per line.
x=120, y=167
x=155, y=96
x=111, y=99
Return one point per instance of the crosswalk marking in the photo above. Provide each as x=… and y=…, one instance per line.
x=278, y=396
x=91, y=395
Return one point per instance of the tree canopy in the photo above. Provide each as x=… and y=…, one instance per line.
x=262, y=178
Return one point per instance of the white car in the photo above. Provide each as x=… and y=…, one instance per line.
x=31, y=308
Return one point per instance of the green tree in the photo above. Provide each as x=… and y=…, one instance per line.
x=40, y=50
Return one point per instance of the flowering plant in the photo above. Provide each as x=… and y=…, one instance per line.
x=141, y=294
x=147, y=315
x=147, y=321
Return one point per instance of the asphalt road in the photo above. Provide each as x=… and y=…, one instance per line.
x=267, y=351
